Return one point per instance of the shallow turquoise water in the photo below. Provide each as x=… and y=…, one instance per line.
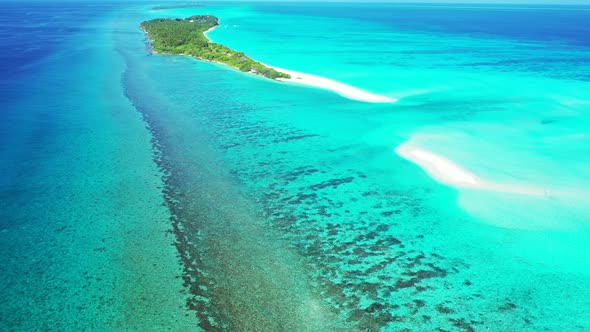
x=469, y=95
x=290, y=208
x=509, y=108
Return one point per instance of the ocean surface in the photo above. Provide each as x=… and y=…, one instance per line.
x=152, y=192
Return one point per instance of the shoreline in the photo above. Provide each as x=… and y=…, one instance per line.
x=453, y=175
x=342, y=89
x=209, y=30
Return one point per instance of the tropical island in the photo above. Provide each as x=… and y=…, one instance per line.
x=187, y=37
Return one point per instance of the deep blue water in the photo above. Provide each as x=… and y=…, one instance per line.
x=552, y=23
x=31, y=33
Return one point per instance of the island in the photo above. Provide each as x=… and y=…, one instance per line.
x=187, y=37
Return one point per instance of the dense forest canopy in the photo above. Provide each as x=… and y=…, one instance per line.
x=186, y=36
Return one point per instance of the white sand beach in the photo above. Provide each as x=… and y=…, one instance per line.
x=210, y=29
x=448, y=172
x=342, y=89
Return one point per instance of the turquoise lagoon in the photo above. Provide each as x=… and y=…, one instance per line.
x=289, y=207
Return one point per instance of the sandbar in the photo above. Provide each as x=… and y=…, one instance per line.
x=450, y=173
x=340, y=88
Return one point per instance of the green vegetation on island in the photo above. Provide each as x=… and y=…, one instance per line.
x=186, y=37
